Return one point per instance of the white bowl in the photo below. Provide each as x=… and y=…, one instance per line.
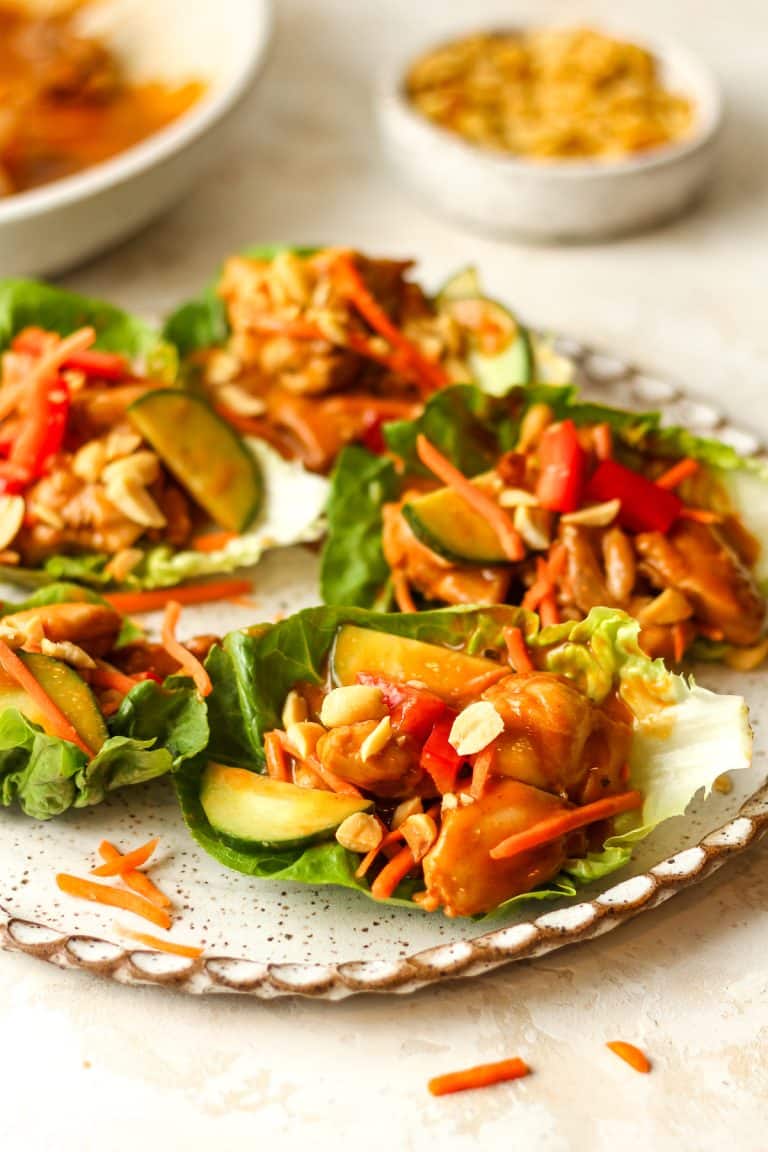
x=558, y=200
x=55, y=226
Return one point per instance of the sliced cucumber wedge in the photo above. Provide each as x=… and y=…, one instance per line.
x=446, y=524
x=66, y=689
x=461, y=285
x=204, y=454
x=443, y=671
x=501, y=355
x=248, y=809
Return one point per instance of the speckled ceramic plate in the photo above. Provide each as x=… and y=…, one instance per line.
x=268, y=940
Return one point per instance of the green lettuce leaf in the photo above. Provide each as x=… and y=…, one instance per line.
x=685, y=736
x=353, y=568
x=28, y=302
x=155, y=730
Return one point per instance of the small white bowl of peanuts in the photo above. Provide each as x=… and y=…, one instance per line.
x=552, y=134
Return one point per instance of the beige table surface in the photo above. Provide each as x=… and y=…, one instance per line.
x=86, y=1065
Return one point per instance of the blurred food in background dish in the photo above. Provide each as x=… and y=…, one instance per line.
x=550, y=94
x=65, y=101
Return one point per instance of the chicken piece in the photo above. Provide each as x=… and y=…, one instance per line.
x=459, y=871
x=555, y=738
x=141, y=656
x=666, y=640
x=392, y=772
x=583, y=582
x=93, y=627
x=435, y=577
x=697, y=560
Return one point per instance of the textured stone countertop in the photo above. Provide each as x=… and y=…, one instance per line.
x=88, y=1065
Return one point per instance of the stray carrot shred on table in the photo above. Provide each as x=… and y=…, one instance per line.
x=189, y=950
x=481, y=1076
x=630, y=1054
x=138, y=881
x=128, y=862
x=113, y=897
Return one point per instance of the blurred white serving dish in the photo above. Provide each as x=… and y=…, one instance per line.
x=556, y=200
x=223, y=44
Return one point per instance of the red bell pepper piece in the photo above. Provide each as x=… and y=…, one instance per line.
x=439, y=758
x=413, y=711
x=562, y=463
x=104, y=365
x=58, y=414
x=645, y=507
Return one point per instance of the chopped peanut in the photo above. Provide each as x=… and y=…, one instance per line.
x=360, y=832
x=419, y=833
x=352, y=705
x=377, y=740
x=475, y=728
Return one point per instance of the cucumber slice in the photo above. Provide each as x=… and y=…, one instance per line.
x=446, y=524
x=66, y=689
x=248, y=809
x=462, y=284
x=501, y=356
x=443, y=671
x=202, y=452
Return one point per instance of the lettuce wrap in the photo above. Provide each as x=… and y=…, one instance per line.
x=473, y=430
x=157, y=728
x=292, y=501
x=684, y=736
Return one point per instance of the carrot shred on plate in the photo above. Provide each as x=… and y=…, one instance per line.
x=630, y=1054
x=329, y=778
x=494, y=515
x=114, y=898
x=481, y=1076
x=177, y=651
x=392, y=873
x=156, y=598
x=127, y=862
x=677, y=473
x=189, y=950
x=564, y=822
x=402, y=591
x=138, y=881
x=517, y=649
x=57, y=722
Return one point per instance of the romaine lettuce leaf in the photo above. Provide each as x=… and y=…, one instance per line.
x=29, y=302
x=685, y=736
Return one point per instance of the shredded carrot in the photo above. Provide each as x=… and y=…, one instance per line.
x=57, y=722
x=602, y=438
x=354, y=287
x=156, y=598
x=536, y=593
x=177, y=651
x=557, y=560
x=677, y=473
x=481, y=770
x=392, y=873
x=519, y=656
x=212, y=541
x=564, y=822
x=189, y=950
x=630, y=1054
x=481, y=1076
x=114, y=898
x=392, y=837
x=107, y=676
x=700, y=515
x=138, y=881
x=243, y=601
x=678, y=642
x=402, y=591
x=334, y=782
x=127, y=862
x=485, y=506
x=277, y=765
x=548, y=610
